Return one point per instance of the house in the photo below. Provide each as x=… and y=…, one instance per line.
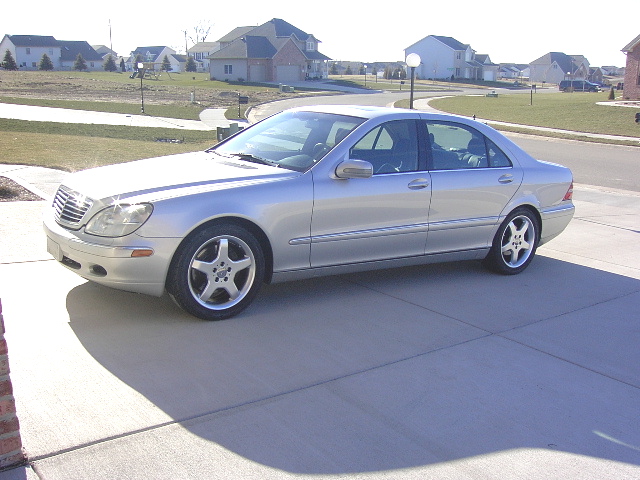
x=275, y=51
x=445, y=57
x=489, y=69
x=632, y=71
x=27, y=51
x=596, y=75
x=69, y=51
x=513, y=71
x=200, y=53
x=154, y=56
x=556, y=66
x=105, y=51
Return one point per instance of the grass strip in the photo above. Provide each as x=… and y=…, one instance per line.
x=142, y=134
x=73, y=152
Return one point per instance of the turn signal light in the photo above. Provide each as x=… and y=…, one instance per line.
x=569, y=194
x=141, y=252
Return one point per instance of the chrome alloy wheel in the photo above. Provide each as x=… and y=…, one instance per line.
x=518, y=240
x=221, y=272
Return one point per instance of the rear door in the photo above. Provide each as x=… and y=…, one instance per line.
x=472, y=182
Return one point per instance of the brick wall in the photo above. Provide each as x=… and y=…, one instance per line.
x=11, y=452
x=632, y=75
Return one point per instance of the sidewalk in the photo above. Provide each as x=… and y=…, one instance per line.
x=210, y=119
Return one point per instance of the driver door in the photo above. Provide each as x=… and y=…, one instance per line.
x=381, y=217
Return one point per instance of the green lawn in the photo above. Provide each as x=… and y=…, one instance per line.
x=74, y=147
x=567, y=111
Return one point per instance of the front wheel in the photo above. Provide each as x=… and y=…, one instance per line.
x=216, y=272
x=514, y=244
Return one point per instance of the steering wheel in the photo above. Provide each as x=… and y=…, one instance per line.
x=319, y=149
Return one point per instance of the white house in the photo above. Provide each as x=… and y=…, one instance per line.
x=446, y=57
x=200, y=53
x=155, y=56
x=27, y=51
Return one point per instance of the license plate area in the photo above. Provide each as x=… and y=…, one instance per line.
x=54, y=249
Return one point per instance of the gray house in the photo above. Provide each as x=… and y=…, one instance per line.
x=556, y=66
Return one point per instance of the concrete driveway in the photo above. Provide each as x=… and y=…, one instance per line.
x=442, y=371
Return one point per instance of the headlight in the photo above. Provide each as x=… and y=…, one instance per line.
x=119, y=220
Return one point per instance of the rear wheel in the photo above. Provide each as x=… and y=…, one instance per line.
x=217, y=272
x=514, y=244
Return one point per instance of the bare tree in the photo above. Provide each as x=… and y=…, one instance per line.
x=200, y=33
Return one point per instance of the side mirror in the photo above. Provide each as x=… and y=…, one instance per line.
x=354, y=169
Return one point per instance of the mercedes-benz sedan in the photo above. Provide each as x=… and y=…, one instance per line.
x=307, y=192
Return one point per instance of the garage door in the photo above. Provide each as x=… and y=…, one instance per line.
x=257, y=73
x=288, y=73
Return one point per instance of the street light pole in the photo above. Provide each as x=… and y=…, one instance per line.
x=141, y=74
x=413, y=60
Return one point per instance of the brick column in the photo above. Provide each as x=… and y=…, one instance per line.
x=10, y=442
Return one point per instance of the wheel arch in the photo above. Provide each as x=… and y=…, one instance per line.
x=532, y=209
x=248, y=225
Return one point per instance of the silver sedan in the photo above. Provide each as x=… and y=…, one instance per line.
x=310, y=191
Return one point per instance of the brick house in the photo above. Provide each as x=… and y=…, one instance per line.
x=632, y=71
x=275, y=51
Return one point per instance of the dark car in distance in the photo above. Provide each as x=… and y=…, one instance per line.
x=578, y=86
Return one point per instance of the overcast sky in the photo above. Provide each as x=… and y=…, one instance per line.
x=518, y=32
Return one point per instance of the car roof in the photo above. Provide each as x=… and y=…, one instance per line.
x=362, y=111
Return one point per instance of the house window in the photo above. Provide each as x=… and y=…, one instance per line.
x=28, y=51
x=228, y=69
x=33, y=64
x=458, y=55
x=311, y=46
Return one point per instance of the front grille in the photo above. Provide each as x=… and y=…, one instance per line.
x=70, y=207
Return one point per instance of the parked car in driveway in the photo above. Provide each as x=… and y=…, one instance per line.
x=309, y=191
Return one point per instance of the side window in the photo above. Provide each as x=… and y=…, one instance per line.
x=497, y=157
x=456, y=147
x=391, y=147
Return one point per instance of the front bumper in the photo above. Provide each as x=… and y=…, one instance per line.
x=111, y=263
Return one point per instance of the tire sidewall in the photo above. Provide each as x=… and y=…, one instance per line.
x=495, y=261
x=178, y=276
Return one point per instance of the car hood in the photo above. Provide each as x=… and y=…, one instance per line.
x=162, y=177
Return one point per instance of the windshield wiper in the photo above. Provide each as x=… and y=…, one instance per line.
x=255, y=159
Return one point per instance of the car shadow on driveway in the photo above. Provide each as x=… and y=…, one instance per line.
x=386, y=370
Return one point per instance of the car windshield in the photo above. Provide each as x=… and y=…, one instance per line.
x=292, y=140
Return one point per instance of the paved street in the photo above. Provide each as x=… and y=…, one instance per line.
x=444, y=371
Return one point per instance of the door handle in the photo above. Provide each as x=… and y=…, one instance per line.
x=418, y=183
x=507, y=178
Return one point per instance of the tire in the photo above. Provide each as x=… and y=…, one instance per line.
x=514, y=244
x=216, y=272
